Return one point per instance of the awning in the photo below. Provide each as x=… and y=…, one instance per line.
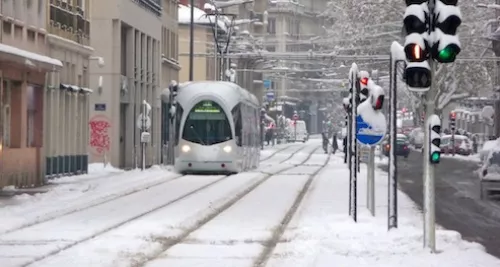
x=30, y=58
x=74, y=88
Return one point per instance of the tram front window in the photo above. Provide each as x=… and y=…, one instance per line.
x=207, y=124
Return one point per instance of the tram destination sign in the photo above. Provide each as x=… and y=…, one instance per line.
x=206, y=107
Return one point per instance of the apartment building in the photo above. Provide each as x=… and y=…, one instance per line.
x=290, y=25
x=139, y=43
x=66, y=133
x=26, y=74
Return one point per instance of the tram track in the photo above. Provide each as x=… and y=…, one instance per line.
x=168, y=243
x=113, y=197
x=277, y=152
x=67, y=245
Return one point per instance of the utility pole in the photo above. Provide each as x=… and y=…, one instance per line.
x=191, y=42
x=353, y=155
x=431, y=36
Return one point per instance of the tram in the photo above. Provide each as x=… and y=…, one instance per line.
x=217, y=128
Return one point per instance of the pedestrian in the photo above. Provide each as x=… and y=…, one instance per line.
x=335, y=144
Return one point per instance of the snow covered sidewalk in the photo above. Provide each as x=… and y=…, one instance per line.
x=323, y=235
x=74, y=193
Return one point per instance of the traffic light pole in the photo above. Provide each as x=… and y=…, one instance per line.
x=353, y=157
x=428, y=174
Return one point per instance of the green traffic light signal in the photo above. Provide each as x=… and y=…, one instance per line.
x=435, y=157
x=448, y=54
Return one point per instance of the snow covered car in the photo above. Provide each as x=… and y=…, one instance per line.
x=462, y=146
x=486, y=149
x=490, y=174
x=417, y=138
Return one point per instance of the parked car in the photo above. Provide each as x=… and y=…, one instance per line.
x=489, y=174
x=486, y=149
x=402, y=146
x=417, y=138
x=463, y=145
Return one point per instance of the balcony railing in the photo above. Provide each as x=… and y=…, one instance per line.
x=69, y=22
x=68, y=33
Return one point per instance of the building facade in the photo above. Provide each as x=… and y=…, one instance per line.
x=26, y=73
x=66, y=124
x=203, y=67
x=292, y=27
x=139, y=43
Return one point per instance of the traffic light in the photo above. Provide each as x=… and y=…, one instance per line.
x=453, y=118
x=377, y=97
x=434, y=139
x=446, y=45
x=416, y=47
x=364, y=90
x=418, y=76
x=416, y=21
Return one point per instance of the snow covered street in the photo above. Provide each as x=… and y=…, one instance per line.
x=292, y=211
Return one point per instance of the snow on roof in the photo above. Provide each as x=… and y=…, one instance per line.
x=29, y=55
x=200, y=17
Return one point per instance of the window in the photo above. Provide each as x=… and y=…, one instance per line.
x=238, y=127
x=18, y=32
x=207, y=124
x=5, y=119
x=31, y=35
x=31, y=111
x=271, y=25
x=7, y=28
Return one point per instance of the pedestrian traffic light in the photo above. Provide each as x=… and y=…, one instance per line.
x=416, y=19
x=446, y=45
x=364, y=90
x=434, y=139
x=377, y=97
x=418, y=76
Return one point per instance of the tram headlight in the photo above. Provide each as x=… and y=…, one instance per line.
x=186, y=148
x=228, y=149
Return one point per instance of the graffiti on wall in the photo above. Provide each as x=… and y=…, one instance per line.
x=100, y=141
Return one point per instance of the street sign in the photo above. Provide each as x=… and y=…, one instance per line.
x=145, y=137
x=368, y=134
x=143, y=122
x=270, y=96
x=267, y=84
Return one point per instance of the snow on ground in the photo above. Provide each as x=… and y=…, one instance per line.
x=77, y=192
x=237, y=236
x=322, y=233
x=41, y=239
x=473, y=157
x=144, y=237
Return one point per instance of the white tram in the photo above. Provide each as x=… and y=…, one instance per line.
x=217, y=128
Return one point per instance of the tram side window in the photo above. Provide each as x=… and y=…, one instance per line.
x=238, y=126
x=178, y=118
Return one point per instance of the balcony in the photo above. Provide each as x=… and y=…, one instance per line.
x=69, y=22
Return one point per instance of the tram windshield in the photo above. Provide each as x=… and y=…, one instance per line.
x=207, y=124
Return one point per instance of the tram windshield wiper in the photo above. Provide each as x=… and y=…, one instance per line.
x=197, y=135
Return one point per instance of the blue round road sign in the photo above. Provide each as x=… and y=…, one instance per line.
x=366, y=134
